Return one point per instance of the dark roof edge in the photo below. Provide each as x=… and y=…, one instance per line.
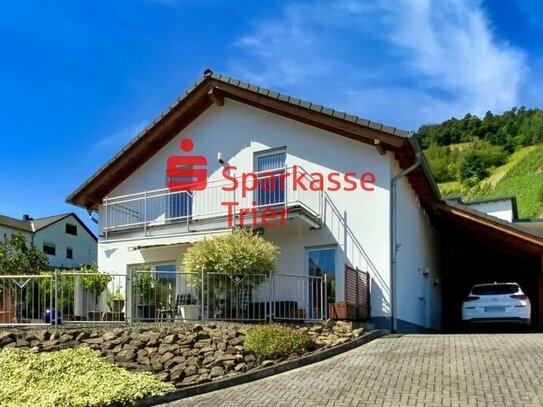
x=494, y=219
x=76, y=218
x=414, y=142
x=209, y=75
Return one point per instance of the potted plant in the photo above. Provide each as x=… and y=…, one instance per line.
x=116, y=300
x=146, y=291
x=95, y=283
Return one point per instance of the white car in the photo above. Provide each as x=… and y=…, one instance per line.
x=498, y=302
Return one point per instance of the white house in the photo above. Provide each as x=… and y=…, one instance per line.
x=65, y=239
x=348, y=193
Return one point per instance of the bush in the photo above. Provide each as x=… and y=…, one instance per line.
x=240, y=252
x=276, y=341
x=70, y=378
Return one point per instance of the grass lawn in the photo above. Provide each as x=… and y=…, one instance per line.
x=70, y=378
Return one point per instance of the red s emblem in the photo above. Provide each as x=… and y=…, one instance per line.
x=181, y=174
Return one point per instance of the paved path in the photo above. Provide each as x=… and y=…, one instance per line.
x=441, y=370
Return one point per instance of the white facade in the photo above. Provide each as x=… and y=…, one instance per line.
x=355, y=223
x=81, y=247
x=500, y=208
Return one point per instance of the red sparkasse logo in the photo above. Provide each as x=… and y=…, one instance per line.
x=188, y=173
x=181, y=173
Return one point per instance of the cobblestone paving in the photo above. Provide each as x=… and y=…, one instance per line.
x=411, y=370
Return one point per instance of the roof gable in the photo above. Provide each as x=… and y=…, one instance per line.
x=212, y=89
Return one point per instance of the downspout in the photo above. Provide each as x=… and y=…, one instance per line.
x=393, y=241
x=89, y=211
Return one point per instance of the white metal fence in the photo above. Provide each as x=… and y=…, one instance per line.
x=159, y=296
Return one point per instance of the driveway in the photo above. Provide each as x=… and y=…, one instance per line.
x=411, y=370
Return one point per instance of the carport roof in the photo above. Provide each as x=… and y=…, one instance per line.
x=511, y=235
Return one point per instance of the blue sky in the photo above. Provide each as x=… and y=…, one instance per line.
x=79, y=79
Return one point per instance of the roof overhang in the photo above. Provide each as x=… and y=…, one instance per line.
x=213, y=89
x=497, y=232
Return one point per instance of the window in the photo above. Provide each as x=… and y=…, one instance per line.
x=180, y=206
x=69, y=253
x=49, y=248
x=269, y=166
x=495, y=289
x=71, y=229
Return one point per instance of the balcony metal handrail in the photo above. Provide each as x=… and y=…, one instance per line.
x=161, y=206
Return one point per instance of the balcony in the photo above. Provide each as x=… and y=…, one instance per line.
x=219, y=205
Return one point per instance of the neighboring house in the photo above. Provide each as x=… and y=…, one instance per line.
x=65, y=239
x=386, y=217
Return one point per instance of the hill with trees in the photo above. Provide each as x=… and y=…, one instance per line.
x=494, y=156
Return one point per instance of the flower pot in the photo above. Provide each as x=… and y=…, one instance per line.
x=117, y=306
x=7, y=317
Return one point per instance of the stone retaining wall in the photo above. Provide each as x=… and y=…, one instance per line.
x=185, y=354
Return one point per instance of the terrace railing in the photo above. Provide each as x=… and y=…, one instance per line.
x=272, y=188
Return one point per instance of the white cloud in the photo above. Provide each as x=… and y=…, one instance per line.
x=120, y=138
x=422, y=60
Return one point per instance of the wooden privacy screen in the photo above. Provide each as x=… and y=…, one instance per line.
x=356, y=306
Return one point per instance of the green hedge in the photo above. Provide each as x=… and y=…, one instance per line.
x=70, y=378
x=276, y=341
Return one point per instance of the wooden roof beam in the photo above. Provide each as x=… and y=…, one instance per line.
x=216, y=97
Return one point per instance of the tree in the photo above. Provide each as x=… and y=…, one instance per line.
x=17, y=257
x=472, y=169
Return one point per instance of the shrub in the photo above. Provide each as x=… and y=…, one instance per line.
x=240, y=252
x=276, y=341
x=70, y=378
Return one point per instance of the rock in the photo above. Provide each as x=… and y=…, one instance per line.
x=154, y=358
x=192, y=379
x=317, y=329
x=81, y=336
x=267, y=363
x=109, y=336
x=217, y=371
x=197, y=328
x=21, y=343
x=357, y=332
x=106, y=346
x=241, y=367
x=207, y=349
x=126, y=355
x=163, y=376
x=193, y=360
x=65, y=338
x=236, y=341
x=249, y=358
x=165, y=357
x=190, y=370
x=202, y=335
x=6, y=337
x=329, y=323
x=96, y=341
x=42, y=336
x=168, y=340
x=170, y=363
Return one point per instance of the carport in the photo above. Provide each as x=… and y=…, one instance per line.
x=478, y=248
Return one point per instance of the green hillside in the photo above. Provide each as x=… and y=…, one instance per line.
x=495, y=156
